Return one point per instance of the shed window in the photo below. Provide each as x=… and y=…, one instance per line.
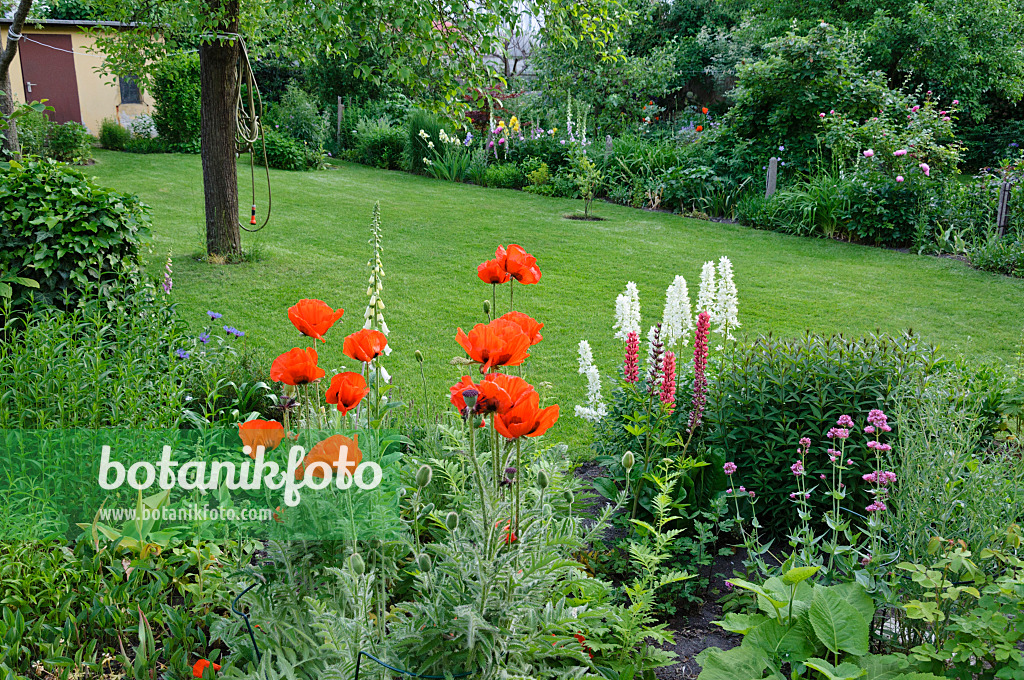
x=129, y=90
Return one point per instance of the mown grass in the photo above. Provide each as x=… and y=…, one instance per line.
x=437, y=232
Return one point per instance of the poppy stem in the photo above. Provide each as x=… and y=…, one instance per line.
x=519, y=476
x=495, y=454
x=476, y=469
x=494, y=301
x=511, y=292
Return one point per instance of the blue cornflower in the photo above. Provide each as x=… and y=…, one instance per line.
x=181, y=354
x=204, y=337
x=214, y=315
x=231, y=330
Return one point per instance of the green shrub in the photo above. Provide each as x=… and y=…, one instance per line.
x=416, y=145
x=145, y=145
x=66, y=232
x=504, y=176
x=563, y=184
x=69, y=142
x=773, y=392
x=33, y=133
x=283, y=152
x=297, y=116
x=176, y=94
x=380, y=144
x=113, y=136
x=814, y=206
x=998, y=254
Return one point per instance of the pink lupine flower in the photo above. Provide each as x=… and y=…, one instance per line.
x=668, y=381
x=631, y=369
x=700, y=364
x=729, y=468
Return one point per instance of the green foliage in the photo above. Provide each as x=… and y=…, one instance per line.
x=285, y=153
x=773, y=392
x=813, y=206
x=587, y=176
x=113, y=136
x=298, y=116
x=778, y=98
x=176, y=95
x=504, y=176
x=998, y=254
x=450, y=158
x=416, y=145
x=67, y=232
x=380, y=144
x=69, y=143
x=33, y=131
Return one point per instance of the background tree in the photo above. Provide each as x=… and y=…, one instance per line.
x=451, y=38
x=10, y=135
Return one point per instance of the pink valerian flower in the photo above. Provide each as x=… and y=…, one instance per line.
x=805, y=443
x=833, y=455
x=729, y=490
x=700, y=365
x=869, y=429
x=631, y=369
x=729, y=468
x=882, y=477
x=668, y=381
x=845, y=421
x=742, y=489
x=879, y=446
x=797, y=468
x=866, y=561
x=838, y=433
x=752, y=494
x=877, y=506
x=877, y=418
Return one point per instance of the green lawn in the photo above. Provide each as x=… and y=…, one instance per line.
x=437, y=233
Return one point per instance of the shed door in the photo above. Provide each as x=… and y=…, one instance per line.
x=49, y=73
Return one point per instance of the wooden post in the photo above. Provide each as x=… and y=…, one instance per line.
x=341, y=112
x=1003, y=212
x=773, y=173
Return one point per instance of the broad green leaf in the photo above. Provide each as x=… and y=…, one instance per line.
x=739, y=663
x=858, y=598
x=798, y=574
x=880, y=667
x=783, y=642
x=844, y=671
x=740, y=623
x=838, y=625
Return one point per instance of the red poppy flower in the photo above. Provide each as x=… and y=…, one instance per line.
x=515, y=387
x=313, y=318
x=492, y=271
x=520, y=265
x=200, y=667
x=330, y=451
x=700, y=128
x=526, y=419
x=510, y=535
x=579, y=636
x=529, y=325
x=265, y=433
x=347, y=390
x=704, y=110
x=296, y=367
x=491, y=397
x=365, y=345
x=499, y=343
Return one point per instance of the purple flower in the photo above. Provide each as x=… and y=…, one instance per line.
x=181, y=354
x=729, y=468
x=868, y=153
x=214, y=315
x=752, y=494
x=204, y=337
x=805, y=442
x=797, y=468
x=838, y=433
x=845, y=421
x=877, y=506
x=231, y=330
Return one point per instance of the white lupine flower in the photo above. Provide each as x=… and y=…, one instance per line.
x=677, y=321
x=725, y=315
x=595, y=409
x=708, y=294
x=627, y=312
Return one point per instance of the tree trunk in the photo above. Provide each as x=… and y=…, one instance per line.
x=218, y=77
x=10, y=143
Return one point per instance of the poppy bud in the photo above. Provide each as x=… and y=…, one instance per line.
x=427, y=509
x=627, y=460
x=569, y=496
x=452, y=521
x=419, y=356
x=357, y=564
x=542, y=480
x=423, y=561
x=424, y=475
x=401, y=493
x=487, y=307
